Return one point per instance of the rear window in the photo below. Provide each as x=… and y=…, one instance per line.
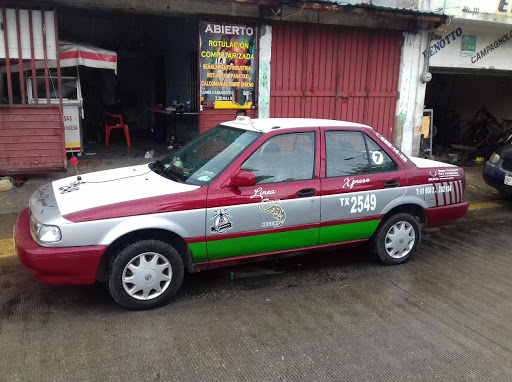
x=352, y=153
x=380, y=161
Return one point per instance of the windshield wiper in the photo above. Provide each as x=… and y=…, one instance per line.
x=159, y=168
x=158, y=164
x=173, y=176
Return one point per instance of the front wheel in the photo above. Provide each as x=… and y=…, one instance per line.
x=397, y=239
x=145, y=275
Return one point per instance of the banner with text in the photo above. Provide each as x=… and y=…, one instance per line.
x=227, y=65
x=472, y=47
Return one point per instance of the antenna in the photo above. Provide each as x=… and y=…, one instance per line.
x=74, y=161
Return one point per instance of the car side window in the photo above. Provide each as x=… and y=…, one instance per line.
x=283, y=158
x=380, y=161
x=346, y=154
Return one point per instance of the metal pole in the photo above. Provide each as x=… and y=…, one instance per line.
x=7, y=60
x=32, y=57
x=59, y=77
x=20, y=58
x=47, y=81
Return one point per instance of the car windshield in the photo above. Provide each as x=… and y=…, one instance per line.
x=202, y=160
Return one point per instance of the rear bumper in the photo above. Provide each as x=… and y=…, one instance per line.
x=438, y=216
x=68, y=265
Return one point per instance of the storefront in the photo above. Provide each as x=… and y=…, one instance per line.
x=155, y=88
x=169, y=79
x=470, y=90
x=176, y=77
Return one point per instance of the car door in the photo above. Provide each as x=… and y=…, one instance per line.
x=359, y=179
x=279, y=213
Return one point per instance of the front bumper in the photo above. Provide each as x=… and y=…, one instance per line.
x=494, y=176
x=438, y=216
x=68, y=265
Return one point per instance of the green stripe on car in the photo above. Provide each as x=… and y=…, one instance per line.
x=270, y=242
x=348, y=232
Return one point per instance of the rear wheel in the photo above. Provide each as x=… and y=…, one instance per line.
x=397, y=239
x=145, y=275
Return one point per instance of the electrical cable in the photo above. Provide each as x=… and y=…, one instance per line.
x=292, y=15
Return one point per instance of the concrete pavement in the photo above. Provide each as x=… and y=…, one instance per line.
x=322, y=317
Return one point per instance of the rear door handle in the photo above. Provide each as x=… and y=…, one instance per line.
x=392, y=183
x=306, y=192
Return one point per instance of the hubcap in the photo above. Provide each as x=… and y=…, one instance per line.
x=147, y=276
x=400, y=239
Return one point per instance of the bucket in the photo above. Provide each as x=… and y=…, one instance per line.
x=5, y=185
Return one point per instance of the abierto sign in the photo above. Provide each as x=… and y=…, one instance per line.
x=472, y=48
x=227, y=65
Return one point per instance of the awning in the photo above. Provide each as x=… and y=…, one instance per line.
x=73, y=54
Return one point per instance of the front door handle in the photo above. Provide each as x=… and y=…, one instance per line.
x=306, y=192
x=392, y=183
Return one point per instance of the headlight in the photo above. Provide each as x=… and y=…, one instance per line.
x=44, y=233
x=494, y=158
x=49, y=234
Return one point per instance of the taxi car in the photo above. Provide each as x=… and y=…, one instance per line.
x=245, y=189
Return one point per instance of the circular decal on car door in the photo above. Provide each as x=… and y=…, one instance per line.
x=377, y=157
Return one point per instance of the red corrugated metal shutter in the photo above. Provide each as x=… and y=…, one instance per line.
x=336, y=73
x=287, y=71
x=383, y=70
x=31, y=140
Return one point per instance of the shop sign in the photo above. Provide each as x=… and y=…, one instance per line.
x=443, y=42
x=471, y=47
x=227, y=61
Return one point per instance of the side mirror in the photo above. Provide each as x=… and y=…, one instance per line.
x=243, y=179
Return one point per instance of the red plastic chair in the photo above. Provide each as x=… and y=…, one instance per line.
x=121, y=125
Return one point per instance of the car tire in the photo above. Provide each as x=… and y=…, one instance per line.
x=145, y=275
x=397, y=239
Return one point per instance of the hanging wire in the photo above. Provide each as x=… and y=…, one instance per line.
x=289, y=16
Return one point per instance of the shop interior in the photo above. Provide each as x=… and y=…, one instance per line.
x=471, y=115
x=155, y=88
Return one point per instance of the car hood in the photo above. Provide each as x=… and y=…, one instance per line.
x=505, y=152
x=428, y=163
x=102, y=188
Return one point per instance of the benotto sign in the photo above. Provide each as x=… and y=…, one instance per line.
x=227, y=65
x=489, y=49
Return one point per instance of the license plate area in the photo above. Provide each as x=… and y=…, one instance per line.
x=508, y=179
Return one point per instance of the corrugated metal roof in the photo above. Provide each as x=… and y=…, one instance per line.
x=376, y=7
